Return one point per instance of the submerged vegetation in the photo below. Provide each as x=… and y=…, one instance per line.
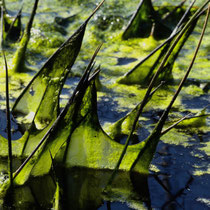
x=62, y=140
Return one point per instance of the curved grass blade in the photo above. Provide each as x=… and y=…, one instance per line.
x=44, y=89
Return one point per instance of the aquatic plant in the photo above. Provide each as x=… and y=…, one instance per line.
x=19, y=57
x=73, y=137
x=143, y=72
x=147, y=22
x=12, y=25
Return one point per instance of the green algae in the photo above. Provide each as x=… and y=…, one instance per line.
x=160, y=100
x=121, y=50
x=94, y=149
x=127, y=102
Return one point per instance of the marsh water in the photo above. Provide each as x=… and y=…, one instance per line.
x=180, y=172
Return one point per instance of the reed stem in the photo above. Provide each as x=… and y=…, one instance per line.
x=7, y=105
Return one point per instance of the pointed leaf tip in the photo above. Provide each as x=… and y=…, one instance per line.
x=95, y=10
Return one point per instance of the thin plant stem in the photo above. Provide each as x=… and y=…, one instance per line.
x=166, y=112
x=175, y=124
x=8, y=122
x=186, y=117
x=7, y=106
x=3, y=5
x=183, y=18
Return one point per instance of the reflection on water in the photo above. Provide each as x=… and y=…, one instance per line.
x=83, y=189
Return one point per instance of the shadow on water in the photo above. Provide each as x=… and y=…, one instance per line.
x=82, y=188
x=184, y=175
x=16, y=134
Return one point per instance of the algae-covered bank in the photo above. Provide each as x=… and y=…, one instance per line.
x=104, y=104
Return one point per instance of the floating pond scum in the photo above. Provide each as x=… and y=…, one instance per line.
x=66, y=158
